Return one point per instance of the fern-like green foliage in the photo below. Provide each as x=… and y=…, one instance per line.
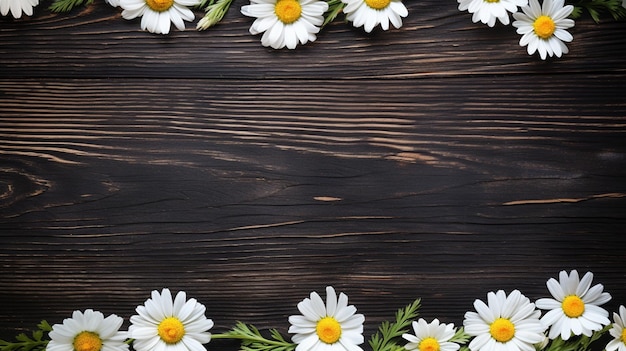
x=215, y=11
x=68, y=5
x=334, y=8
x=598, y=8
x=252, y=340
x=23, y=342
x=460, y=337
x=385, y=338
x=577, y=343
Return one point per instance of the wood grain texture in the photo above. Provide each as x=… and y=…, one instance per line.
x=437, y=161
x=438, y=193
x=435, y=40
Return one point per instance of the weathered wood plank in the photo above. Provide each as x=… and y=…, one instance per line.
x=436, y=40
x=251, y=193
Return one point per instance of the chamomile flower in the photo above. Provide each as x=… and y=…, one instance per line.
x=575, y=306
x=88, y=331
x=157, y=15
x=330, y=327
x=543, y=28
x=504, y=323
x=618, y=331
x=431, y=336
x=17, y=7
x=166, y=325
x=370, y=13
x=285, y=23
x=487, y=11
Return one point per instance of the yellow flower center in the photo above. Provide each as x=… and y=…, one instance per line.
x=288, y=11
x=377, y=4
x=502, y=330
x=544, y=27
x=623, y=338
x=160, y=5
x=328, y=329
x=573, y=306
x=492, y=0
x=87, y=341
x=429, y=344
x=171, y=330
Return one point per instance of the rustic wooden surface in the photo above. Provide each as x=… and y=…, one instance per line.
x=437, y=161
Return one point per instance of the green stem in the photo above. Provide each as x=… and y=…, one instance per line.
x=334, y=8
x=29, y=345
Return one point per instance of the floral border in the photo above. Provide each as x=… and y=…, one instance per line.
x=288, y=23
x=572, y=321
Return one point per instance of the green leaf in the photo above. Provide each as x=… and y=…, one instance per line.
x=460, y=337
x=594, y=14
x=215, y=12
x=252, y=340
x=597, y=8
x=26, y=343
x=22, y=337
x=68, y=5
x=384, y=338
x=44, y=326
x=576, y=343
x=334, y=8
x=576, y=13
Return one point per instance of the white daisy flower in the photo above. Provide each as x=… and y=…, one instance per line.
x=88, y=331
x=18, y=7
x=370, y=13
x=504, y=323
x=286, y=22
x=156, y=15
x=166, y=325
x=575, y=306
x=330, y=327
x=114, y=3
x=431, y=336
x=487, y=11
x=543, y=28
x=618, y=331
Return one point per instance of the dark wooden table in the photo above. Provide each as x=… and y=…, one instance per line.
x=437, y=161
